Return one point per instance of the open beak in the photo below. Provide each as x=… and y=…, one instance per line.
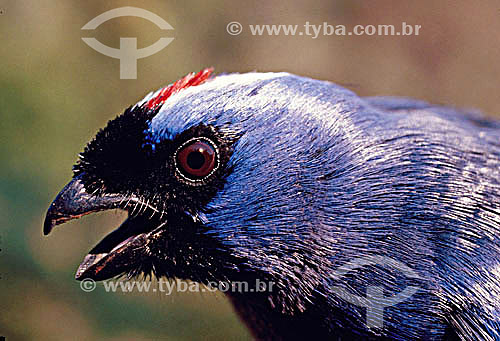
x=120, y=251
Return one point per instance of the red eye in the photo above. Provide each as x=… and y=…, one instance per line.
x=196, y=159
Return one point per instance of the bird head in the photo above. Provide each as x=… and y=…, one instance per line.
x=223, y=178
x=282, y=178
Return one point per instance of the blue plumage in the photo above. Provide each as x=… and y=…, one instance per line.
x=313, y=178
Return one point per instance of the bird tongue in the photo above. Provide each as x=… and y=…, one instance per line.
x=123, y=243
x=121, y=250
x=123, y=257
x=94, y=258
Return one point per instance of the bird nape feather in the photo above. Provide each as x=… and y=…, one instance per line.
x=367, y=218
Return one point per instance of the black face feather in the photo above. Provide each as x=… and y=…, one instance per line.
x=121, y=159
x=115, y=160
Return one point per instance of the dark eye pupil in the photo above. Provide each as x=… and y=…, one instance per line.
x=195, y=160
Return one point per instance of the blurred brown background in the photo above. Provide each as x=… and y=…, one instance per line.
x=55, y=92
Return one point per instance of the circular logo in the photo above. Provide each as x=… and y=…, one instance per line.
x=234, y=28
x=88, y=285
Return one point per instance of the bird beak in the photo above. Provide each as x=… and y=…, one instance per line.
x=121, y=250
x=74, y=202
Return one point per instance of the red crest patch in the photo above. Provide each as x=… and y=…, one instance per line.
x=191, y=79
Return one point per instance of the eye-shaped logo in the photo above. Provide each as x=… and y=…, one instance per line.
x=128, y=52
x=375, y=301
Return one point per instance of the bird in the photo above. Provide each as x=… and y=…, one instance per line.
x=374, y=218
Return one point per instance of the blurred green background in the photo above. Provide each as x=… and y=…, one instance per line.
x=55, y=92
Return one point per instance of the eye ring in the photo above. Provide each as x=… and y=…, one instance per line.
x=196, y=160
